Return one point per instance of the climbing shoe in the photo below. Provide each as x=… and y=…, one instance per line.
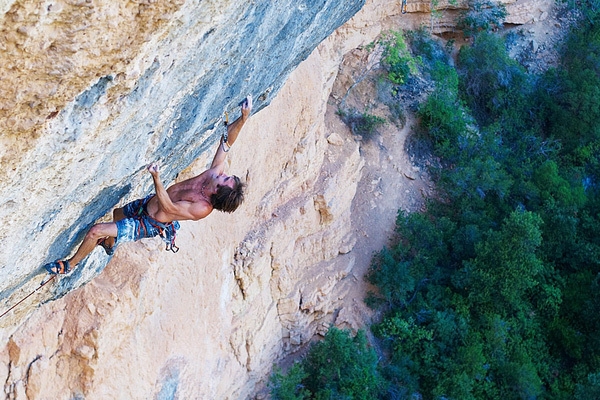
x=58, y=267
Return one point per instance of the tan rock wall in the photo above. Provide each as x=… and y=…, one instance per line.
x=145, y=81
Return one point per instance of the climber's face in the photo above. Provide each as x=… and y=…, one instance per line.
x=225, y=180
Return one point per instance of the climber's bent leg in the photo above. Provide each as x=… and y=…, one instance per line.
x=109, y=242
x=90, y=241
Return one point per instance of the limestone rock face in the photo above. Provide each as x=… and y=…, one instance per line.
x=92, y=91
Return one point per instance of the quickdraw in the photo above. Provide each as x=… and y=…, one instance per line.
x=224, y=138
x=403, y=8
x=167, y=236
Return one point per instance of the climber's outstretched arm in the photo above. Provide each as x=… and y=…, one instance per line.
x=233, y=131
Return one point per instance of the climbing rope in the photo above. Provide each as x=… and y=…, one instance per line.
x=29, y=295
x=403, y=8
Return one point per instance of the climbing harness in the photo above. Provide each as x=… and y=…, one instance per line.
x=403, y=8
x=29, y=295
x=167, y=231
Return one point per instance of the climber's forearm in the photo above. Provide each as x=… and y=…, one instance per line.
x=164, y=201
x=233, y=130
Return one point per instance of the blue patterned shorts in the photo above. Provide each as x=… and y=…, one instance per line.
x=137, y=225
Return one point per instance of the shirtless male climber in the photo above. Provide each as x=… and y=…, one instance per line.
x=157, y=214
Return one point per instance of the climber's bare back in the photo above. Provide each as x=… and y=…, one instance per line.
x=189, y=193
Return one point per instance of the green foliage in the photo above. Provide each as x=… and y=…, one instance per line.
x=590, y=9
x=364, y=124
x=571, y=96
x=506, y=268
x=343, y=366
x=553, y=187
x=496, y=87
x=339, y=367
x=494, y=292
x=481, y=15
x=396, y=58
x=443, y=113
x=428, y=51
x=589, y=389
x=289, y=386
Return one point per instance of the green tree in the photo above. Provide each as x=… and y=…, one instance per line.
x=496, y=87
x=571, y=94
x=289, y=386
x=443, y=114
x=342, y=366
x=506, y=267
x=589, y=389
x=338, y=367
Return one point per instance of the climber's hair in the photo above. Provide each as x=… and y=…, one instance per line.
x=228, y=199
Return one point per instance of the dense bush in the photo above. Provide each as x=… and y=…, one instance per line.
x=570, y=95
x=496, y=87
x=363, y=124
x=339, y=367
x=396, y=58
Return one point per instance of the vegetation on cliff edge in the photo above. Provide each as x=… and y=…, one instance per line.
x=494, y=291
